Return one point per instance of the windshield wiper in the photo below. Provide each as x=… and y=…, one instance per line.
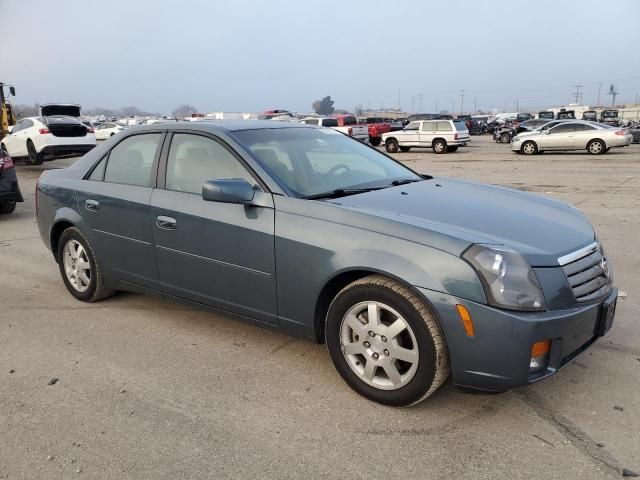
x=395, y=183
x=341, y=192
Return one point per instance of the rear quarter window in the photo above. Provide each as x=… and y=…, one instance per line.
x=460, y=126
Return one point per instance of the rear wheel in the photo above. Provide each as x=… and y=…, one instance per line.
x=34, y=157
x=453, y=148
x=596, y=147
x=7, y=207
x=80, y=269
x=529, y=148
x=405, y=149
x=385, y=343
x=440, y=146
x=3, y=148
x=505, y=138
x=391, y=145
x=375, y=141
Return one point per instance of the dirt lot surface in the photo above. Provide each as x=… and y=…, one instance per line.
x=149, y=389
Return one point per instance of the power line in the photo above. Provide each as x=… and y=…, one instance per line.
x=577, y=87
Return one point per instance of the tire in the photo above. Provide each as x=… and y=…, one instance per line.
x=418, y=337
x=3, y=148
x=7, y=207
x=375, y=141
x=596, y=147
x=405, y=149
x=440, y=146
x=391, y=145
x=34, y=157
x=453, y=148
x=529, y=148
x=505, y=138
x=112, y=134
x=94, y=289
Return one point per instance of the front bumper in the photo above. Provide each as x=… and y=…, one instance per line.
x=497, y=358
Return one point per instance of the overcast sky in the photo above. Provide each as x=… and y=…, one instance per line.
x=246, y=55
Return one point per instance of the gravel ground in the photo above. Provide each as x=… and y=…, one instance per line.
x=149, y=389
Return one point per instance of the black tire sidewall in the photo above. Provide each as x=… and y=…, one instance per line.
x=35, y=158
x=425, y=374
x=444, y=146
x=73, y=234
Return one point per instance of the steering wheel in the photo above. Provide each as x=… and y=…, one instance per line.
x=335, y=168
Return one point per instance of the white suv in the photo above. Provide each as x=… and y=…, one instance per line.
x=57, y=132
x=441, y=135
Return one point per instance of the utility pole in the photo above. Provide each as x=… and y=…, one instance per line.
x=436, y=107
x=413, y=101
x=475, y=105
x=517, y=105
x=420, y=102
x=399, y=104
x=577, y=87
x=461, y=100
x=599, y=88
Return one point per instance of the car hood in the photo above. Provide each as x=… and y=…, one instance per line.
x=63, y=109
x=539, y=228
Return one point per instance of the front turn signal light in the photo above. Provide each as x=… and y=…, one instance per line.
x=467, y=323
x=539, y=356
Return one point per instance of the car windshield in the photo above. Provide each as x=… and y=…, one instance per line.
x=312, y=161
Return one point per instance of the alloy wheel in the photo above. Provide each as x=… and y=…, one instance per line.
x=595, y=147
x=379, y=345
x=77, y=267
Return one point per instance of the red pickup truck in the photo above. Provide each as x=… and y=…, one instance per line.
x=377, y=126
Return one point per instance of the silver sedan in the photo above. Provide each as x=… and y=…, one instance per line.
x=593, y=137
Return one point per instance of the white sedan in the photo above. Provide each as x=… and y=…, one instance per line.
x=107, y=130
x=57, y=133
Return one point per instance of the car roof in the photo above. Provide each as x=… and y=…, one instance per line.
x=222, y=125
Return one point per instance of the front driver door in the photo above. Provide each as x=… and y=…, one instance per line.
x=217, y=254
x=410, y=136
x=559, y=137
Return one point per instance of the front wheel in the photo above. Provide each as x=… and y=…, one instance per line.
x=529, y=148
x=80, y=269
x=385, y=343
x=34, y=157
x=391, y=145
x=505, y=138
x=596, y=147
x=375, y=141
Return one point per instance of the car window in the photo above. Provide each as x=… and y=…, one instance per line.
x=562, y=128
x=443, y=127
x=427, y=127
x=349, y=120
x=580, y=127
x=311, y=121
x=97, y=174
x=329, y=122
x=26, y=124
x=17, y=127
x=194, y=159
x=413, y=126
x=460, y=126
x=131, y=160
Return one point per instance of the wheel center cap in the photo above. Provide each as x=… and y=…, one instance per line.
x=377, y=345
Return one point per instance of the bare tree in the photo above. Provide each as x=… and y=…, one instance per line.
x=184, y=111
x=324, y=106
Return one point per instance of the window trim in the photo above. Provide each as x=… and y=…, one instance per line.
x=161, y=180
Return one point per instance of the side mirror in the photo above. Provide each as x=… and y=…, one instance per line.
x=12, y=90
x=228, y=191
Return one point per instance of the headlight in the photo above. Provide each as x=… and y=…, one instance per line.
x=508, y=279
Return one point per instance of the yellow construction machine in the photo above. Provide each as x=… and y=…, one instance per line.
x=7, y=117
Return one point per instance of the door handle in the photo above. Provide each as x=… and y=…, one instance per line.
x=166, y=223
x=92, y=205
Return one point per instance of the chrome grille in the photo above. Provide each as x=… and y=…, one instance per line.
x=587, y=273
